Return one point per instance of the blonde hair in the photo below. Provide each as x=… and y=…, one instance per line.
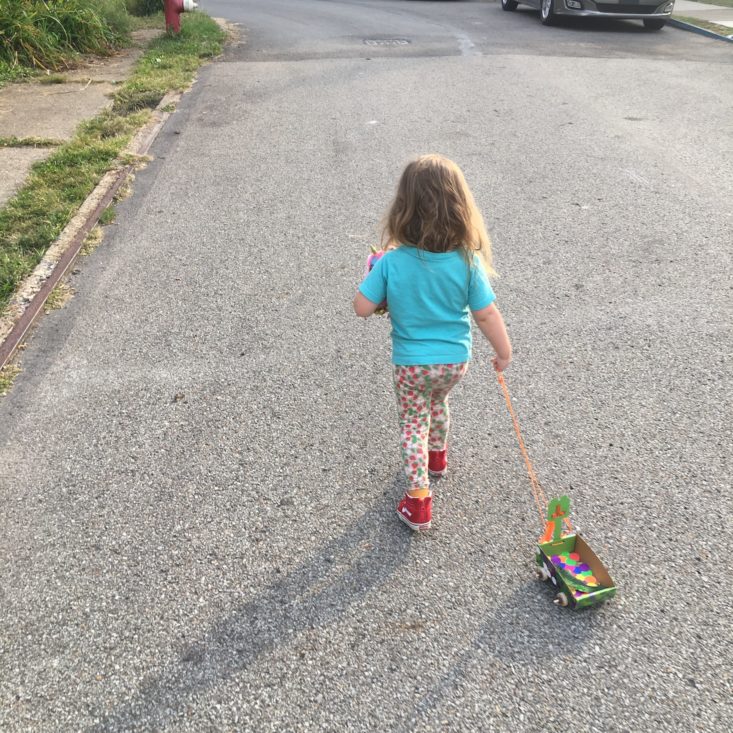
x=434, y=210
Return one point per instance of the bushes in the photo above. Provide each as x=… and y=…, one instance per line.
x=114, y=13
x=144, y=7
x=49, y=35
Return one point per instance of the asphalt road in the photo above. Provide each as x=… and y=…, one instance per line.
x=198, y=463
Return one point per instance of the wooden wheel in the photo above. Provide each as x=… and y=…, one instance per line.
x=561, y=600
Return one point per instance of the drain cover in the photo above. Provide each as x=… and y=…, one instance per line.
x=386, y=41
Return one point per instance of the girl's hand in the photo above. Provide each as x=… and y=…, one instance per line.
x=501, y=364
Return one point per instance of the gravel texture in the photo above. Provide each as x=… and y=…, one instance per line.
x=198, y=464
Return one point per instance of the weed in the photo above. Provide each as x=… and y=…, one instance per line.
x=133, y=100
x=7, y=376
x=147, y=22
x=59, y=297
x=47, y=35
x=125, y=190
x=92, y=241
x=108, y=216
x=109, y=125
x=51, y=79
x=29, y=142
x=12, y=72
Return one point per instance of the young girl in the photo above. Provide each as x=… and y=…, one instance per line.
x=434, y=272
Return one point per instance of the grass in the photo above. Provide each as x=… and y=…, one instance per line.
x=59, y=297
x=721, y=30
x=145, y=22
x=7, y=376
x=51, y=35
x=13, y=72
x=57, y=186
x=144, y=7
x=51, y=79
x=29, y=142
x=722, y=3
x=92, y=241
x=108, y=216
x=170, y=63
x=55, y=189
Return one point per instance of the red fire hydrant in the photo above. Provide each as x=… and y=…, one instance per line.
x=173, y=9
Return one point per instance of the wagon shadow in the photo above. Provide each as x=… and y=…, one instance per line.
x=526, y=628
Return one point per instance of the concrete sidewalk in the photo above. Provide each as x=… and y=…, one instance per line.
x=704, y=11
x=51, y=112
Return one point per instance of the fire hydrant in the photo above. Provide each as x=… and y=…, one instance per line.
x=173, y=9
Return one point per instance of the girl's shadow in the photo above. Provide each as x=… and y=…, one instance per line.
x=313, y=595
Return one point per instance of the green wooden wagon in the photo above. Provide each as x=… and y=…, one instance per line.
x=568, y=562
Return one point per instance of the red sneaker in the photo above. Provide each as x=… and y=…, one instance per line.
x=416, y=513
x=438, y=462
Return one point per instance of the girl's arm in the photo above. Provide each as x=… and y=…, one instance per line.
x=491, y=323
x=363, y=307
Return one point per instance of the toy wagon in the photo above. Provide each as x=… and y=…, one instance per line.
x=568, y=562
x=564, y=559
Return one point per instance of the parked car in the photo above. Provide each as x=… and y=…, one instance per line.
x=654, y=14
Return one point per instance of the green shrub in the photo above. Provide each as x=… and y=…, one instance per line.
x=10, y=72
x=115, y=14
x=49, y=35
x=144, y=7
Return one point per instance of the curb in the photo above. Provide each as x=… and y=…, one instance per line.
x=696, y=29
x=31, y=295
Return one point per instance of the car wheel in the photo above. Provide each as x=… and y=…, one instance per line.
x=547, y=12
x=509, y=4
x=654, y=24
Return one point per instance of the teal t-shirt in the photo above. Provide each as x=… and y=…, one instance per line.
x=429, y=296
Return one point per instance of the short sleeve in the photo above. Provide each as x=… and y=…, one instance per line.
x=374, y=285
x=480, y=293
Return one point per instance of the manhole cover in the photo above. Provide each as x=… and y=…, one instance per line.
x=386, y=41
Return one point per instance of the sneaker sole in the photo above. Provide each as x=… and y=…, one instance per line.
x=412, y=525
x=438, y=474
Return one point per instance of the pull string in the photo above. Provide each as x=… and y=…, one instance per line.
x=540, y=499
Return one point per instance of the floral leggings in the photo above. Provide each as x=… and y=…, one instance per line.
x=422, y=402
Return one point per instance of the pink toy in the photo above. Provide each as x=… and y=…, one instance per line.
x=374, y=256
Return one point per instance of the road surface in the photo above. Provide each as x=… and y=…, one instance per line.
x=198, y=463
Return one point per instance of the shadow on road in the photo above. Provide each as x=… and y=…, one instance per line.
x=315, y=594
x=522, y=630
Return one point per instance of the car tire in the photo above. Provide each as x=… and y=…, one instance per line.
x=547, y=12
x=509, y=4
x=654, y=24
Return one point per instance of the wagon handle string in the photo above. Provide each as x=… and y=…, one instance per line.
x=540, y=499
